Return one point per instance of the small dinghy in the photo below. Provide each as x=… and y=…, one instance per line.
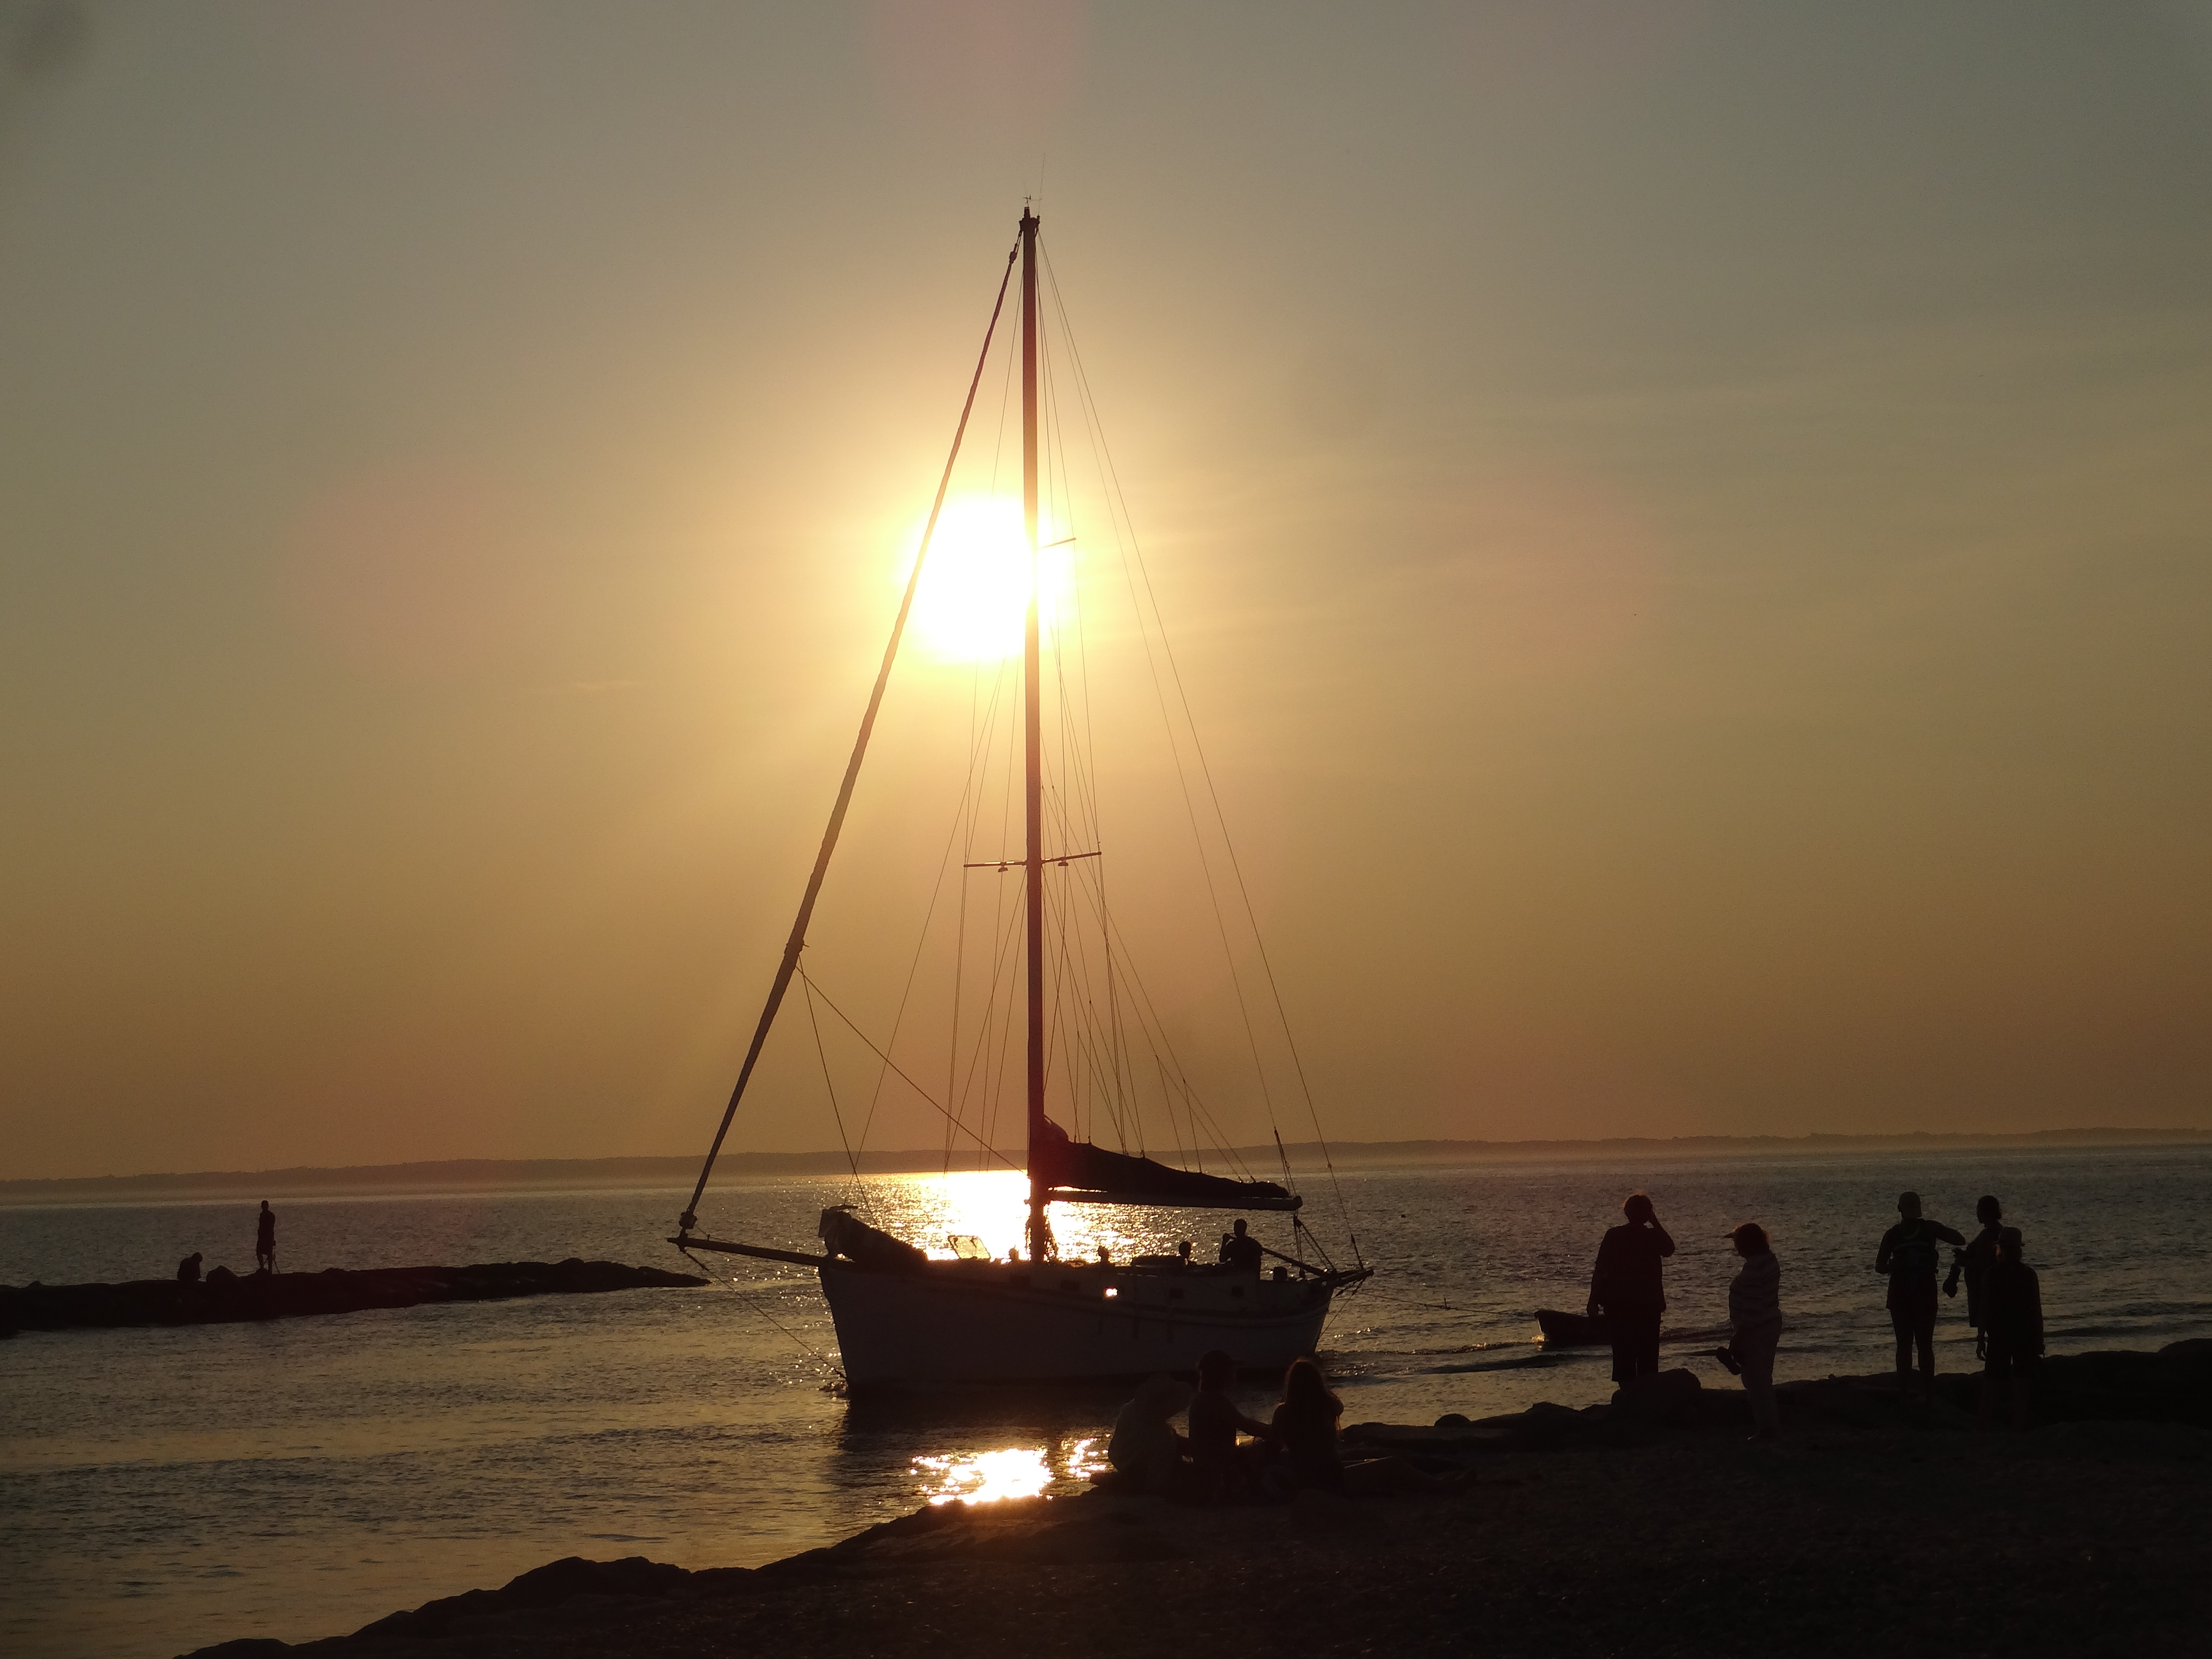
x=1573, y=1330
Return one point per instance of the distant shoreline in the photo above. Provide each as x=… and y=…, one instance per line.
x=556, y=1174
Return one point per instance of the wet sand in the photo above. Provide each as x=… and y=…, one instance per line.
x=1876, y=1525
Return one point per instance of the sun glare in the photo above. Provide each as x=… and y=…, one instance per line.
x=989, y=1477
x=974, y=590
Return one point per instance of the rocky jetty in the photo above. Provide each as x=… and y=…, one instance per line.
x=224, y=1298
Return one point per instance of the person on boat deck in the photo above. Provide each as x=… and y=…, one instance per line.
x=1240, y=1249
x=1755, y=1313
x=1144, y=1449
x=265, y=1240
x=1907, y=1255
x=1626, y=1285
x=1222, y=1468
x=2011, y=1301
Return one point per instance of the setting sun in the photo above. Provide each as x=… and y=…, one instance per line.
x=976, y=587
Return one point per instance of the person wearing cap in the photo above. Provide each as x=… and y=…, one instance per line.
x=1755, y=1315
x=1908, y=1256
x=2012, y=1302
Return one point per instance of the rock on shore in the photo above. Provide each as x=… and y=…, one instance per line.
x=224, y=1299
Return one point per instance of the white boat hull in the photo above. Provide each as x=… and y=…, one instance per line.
x=956, y=1321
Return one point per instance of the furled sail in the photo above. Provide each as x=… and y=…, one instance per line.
x=1076, y=1172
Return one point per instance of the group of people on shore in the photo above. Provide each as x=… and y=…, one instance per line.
x=2005, y=1302
x=1294, y=1451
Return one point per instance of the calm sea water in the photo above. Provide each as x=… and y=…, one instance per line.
x=164, y=1489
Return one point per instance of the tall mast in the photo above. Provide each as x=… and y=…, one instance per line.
x=1033, y=752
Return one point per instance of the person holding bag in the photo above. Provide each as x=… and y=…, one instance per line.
x=1755, y=1313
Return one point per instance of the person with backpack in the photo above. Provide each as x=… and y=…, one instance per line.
x=1909, y=1255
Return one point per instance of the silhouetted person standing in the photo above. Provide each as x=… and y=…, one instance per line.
x=1909, y=1255
x=1972, y=1265
x=2011, y=1301
x=1240, y=1249
x=265, y=1240
x=1755, y=1314
x=1627, y=1287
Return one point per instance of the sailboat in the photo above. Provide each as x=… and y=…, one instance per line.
x=905, y=1319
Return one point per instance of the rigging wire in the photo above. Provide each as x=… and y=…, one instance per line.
x=827, y=1082
x=927, y=1097
x=1221, y=921
x=754, y=1299
x=914, y=967
x=796, y=942
x=1112, y=472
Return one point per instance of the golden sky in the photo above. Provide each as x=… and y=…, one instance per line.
x=1689, y=528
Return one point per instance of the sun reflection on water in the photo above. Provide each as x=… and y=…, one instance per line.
x=990, y=1476
x=985, y=1477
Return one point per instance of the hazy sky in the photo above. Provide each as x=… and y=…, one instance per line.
x=1689, y=525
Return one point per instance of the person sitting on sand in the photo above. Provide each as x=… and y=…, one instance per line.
x=1908, y=1256
x=265, y=1240
x=1305, y=1428
x=1307, y=1457
x=1223, y=1470
x=2012, y=1302
x=1755, y=1313
x=188, y=1270
x=1145, y=1451
x=1627, y=1285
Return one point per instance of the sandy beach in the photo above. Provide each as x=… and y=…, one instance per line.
x=1875, y=1524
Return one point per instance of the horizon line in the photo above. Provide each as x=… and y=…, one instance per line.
x=543, y=1171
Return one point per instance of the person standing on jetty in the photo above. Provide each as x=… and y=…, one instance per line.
x=1908, y=1256
x=1755, y=1314
x=265, y=1240
x=1626, y=1285
x=2011, y=1301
